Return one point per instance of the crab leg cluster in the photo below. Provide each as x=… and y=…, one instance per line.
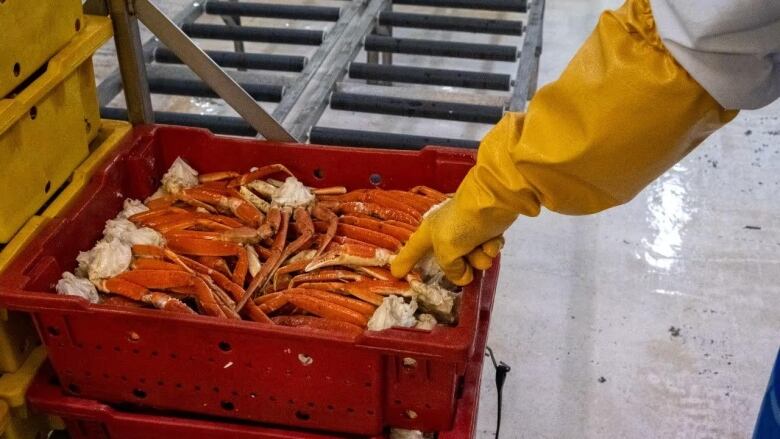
x=247, y=246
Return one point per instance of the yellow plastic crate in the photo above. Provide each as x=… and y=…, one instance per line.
x=45, y=130
x=17, y=334
x=32, y=32
x=19, y=422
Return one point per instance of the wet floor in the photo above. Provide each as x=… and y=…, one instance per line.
x=655, y=319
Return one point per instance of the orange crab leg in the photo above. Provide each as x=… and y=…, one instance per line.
x=173, y=279
x=201, y=247
x=362, y=293
x=428, y=192
x=377, y=273
x=260, y=279
x=355, y=305
x=242, y=267
x=326, y=275
x=218, y=176
x=271, y=302
x=123, y=287
x=151, y=215
x=258, y=174
x=242, y=209
x=350, y=254
x=384, y=199
x=318, y=323
x=333, y=287
x=255, y=314
x=162, y=202
x=400, y=233
x=371, y=209
x=220, y=279
x=148, y=251
x=289, y=268
x=370, y=236
x=167, y=303
x=328, y=310
x=214, y=263
x=335, y=190
x=331, y=219
x=155, y=264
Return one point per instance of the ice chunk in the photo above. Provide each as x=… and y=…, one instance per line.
x=71, y=285
x=179, y=176
x=394, y=311
x=293, y=193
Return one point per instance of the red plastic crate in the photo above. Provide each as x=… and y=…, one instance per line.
x=239, y=369
x=87, y=419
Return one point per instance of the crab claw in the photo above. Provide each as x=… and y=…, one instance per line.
x=351, y=254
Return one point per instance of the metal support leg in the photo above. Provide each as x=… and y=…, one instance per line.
x=209, y=72
x=131, y=63
x=235, y=20
x=372, y=57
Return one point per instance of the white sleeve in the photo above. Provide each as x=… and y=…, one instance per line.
x=731, y=47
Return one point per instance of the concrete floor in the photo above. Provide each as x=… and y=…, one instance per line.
x=654, y=319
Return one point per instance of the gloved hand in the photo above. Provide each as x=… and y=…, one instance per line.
x=623, y=112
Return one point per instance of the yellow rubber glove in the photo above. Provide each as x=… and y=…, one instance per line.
x=623, y=112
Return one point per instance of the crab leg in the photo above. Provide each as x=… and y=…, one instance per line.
x=428, y=192
x=326, y=275
x=377, y=273
x=334, y=190
x=326, y=309
x=258, y=282
x=147, y=251
x=382, y=198
x=292, y=267
x=400, y=233
x=371, y=209
x=155, y=264
x=355, y=305
x=241, y=268
x=214, y=263
x=318, y=323
x=218, y=176
x=220, y=279
x=173, y=279
x=242, y=209
x=370, y=236
x=350, y=254
x=139, y=293
x=329, y=217
x=258, y=174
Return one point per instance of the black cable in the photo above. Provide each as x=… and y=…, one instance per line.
x=502, y=369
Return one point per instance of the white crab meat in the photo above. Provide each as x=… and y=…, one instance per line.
x=71, y=285
x=256, y=201
x=131, y=207
x=293, y=193
x=394, y=311
x=435, y=299
x=106, y=259
x=426, y=322
x=179, y=176
x=254, y=260
x=128, y=233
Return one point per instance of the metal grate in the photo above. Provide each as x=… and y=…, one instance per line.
x=303, y=87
